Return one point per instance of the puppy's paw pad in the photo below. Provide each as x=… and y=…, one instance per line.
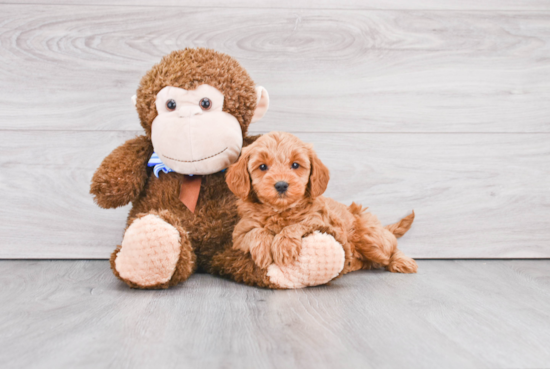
x=149, y=252
x=321, y=259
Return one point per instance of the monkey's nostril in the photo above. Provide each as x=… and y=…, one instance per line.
x=281, y=186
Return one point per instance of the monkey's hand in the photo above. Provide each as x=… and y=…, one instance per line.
x=122, y=175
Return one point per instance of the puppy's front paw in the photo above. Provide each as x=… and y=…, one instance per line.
x=285, y=248
x=261, y=254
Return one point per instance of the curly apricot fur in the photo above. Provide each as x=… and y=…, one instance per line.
x=301, y=209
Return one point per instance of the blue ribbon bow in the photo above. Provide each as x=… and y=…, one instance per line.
x=158, y=165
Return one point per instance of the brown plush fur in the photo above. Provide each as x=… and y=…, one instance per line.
x=123, y=176
x=187, y=263
x=274, y=223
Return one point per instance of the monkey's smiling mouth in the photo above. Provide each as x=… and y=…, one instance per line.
x=194, y=161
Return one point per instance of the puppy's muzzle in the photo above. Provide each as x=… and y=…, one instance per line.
x=281, y=187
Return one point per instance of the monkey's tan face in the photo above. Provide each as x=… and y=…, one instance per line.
x=191, y=134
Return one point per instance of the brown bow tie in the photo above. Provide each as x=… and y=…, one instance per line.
x=189, y=192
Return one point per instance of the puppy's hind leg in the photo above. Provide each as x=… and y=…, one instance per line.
x=401, y=263
x=379, y=244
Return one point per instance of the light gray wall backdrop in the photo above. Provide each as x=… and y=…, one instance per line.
x=440, y=107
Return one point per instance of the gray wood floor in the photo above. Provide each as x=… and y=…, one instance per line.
x=440, y=107
x=452, y=314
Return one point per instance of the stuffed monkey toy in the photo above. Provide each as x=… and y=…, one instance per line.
x=195, y=107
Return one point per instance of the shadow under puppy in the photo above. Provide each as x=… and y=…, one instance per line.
x=279, y=181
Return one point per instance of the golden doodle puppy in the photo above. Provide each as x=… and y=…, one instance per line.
x=279, y=181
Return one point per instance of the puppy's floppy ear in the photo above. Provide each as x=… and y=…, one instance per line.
x=319, y=175
x=237, y=177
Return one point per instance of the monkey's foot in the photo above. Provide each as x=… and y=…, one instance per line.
x=320, y=261
x=149, y=253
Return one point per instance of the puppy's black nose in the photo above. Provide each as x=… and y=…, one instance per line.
x=281, y=186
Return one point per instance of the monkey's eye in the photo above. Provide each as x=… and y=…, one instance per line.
x=171, y=105
x=205, y=103
x=295, y=165
x=263, y=167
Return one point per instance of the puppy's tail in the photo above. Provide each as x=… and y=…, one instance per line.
x=400, y=228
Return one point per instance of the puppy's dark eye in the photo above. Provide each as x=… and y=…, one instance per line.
x=171, y=105
x=205, y=103
x=295, y=165
x=263, y=167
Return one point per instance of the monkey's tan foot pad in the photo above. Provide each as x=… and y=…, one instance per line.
x=321, y=260
x=149, y=252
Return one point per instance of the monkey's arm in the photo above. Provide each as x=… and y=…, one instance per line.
x=249, y=236
x=122, y=175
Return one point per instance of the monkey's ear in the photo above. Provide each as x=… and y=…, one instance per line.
x=319, y=175
x=262, y=104
x=134, y=99
x=237, y=177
